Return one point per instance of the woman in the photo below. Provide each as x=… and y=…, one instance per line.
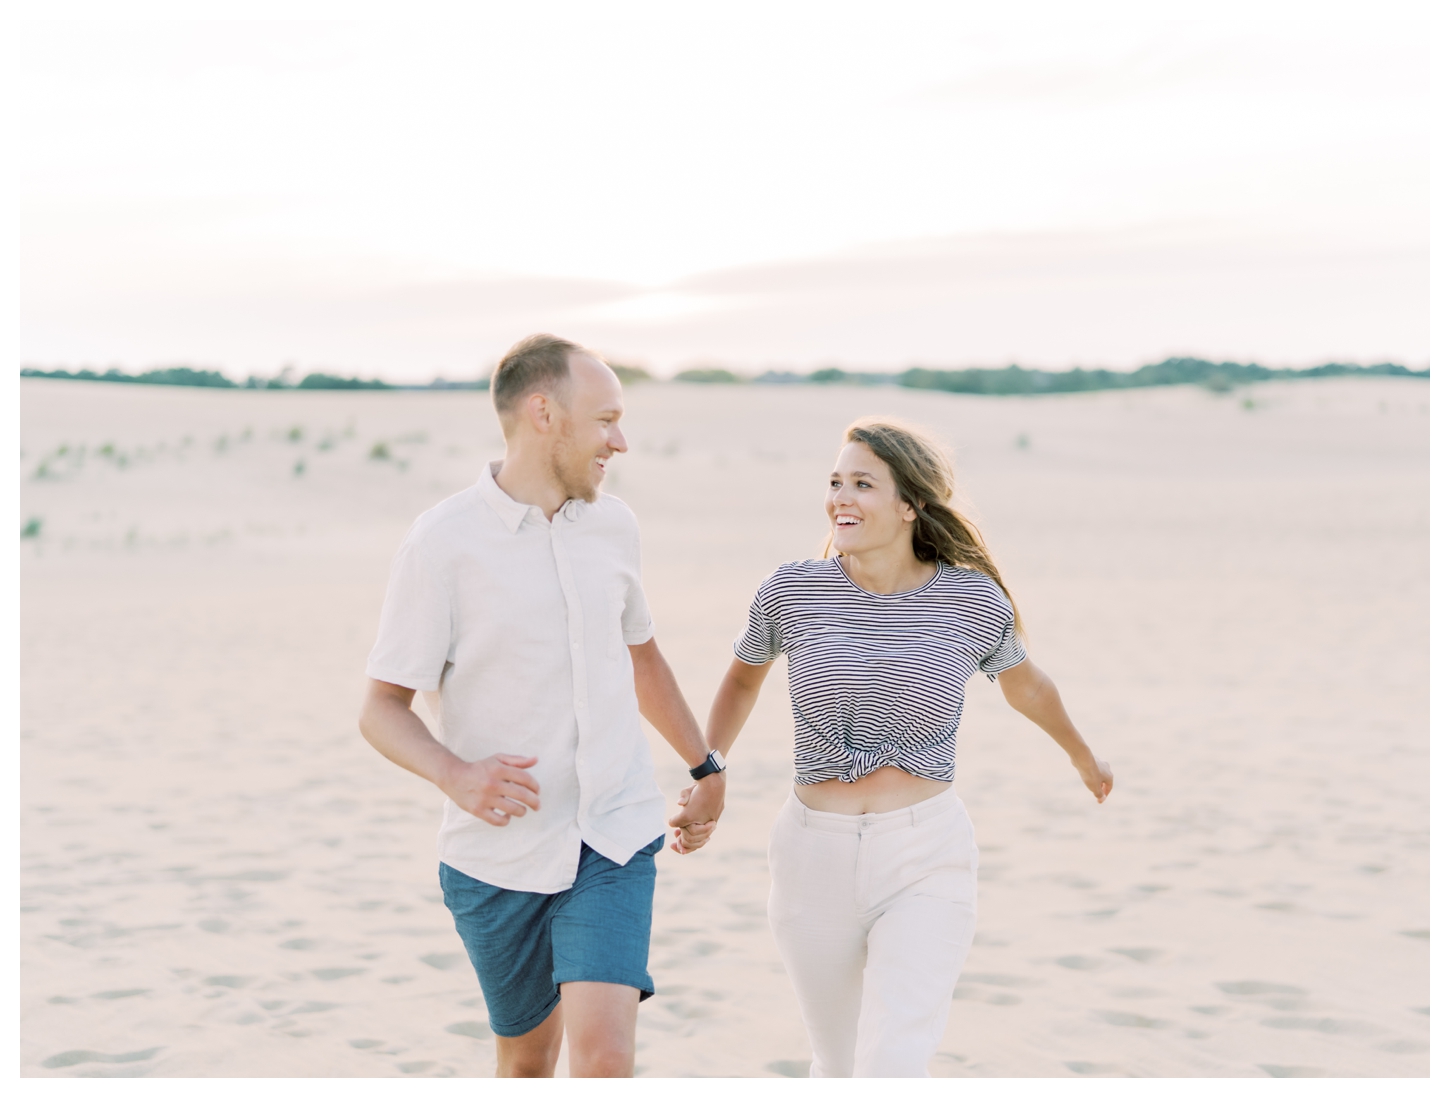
x=872, y=860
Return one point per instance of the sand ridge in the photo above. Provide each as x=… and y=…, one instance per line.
x=220, y=878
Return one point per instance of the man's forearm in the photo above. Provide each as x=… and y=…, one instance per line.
x=399, y=735
x=663, y=705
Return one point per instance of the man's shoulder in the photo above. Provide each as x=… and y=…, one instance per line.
x=612, y=513
x=446, y=517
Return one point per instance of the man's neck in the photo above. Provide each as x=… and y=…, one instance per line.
x=525, y=478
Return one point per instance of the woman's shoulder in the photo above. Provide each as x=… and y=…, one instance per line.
x=974, y=586
x=796, y=575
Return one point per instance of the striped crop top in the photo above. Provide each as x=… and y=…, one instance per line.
x=878, y=680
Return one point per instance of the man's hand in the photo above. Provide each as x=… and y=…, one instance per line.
x=494, y=789
x=701, y=806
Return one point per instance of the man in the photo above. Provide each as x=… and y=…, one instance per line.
x=515, y=600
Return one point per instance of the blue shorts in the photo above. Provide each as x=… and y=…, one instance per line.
x=523, y=945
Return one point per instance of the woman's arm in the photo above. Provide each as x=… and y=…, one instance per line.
x=733, y=703
x=1029, y=691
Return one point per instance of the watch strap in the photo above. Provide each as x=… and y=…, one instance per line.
x=714, y=763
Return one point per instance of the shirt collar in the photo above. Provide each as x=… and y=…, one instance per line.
x=510, y=510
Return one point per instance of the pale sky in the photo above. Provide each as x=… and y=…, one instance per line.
x=407, y=199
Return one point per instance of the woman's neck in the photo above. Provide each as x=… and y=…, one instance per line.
x=888, y=570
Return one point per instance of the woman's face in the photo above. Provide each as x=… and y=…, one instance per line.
x=862, y=504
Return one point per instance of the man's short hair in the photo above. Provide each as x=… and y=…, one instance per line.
x=538, y=364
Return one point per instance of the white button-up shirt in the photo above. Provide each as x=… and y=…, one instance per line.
x=521, y=625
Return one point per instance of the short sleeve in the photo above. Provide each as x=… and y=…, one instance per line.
x=759, y=642
x=1007, y=654
x=636, y=622
x=415, y=634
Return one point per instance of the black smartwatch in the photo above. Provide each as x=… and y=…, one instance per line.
x=714, y=764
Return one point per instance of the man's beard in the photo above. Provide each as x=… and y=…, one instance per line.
x=576, y=483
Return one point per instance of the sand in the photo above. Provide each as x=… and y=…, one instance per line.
x=220, y=878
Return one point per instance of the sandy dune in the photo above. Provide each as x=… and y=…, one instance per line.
x=220, y=878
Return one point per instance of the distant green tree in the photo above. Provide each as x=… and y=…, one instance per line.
x=708, y=376
x=333, y=381
x=827, y=375
x=185, y=375
x=167, y=375
x=629, y=375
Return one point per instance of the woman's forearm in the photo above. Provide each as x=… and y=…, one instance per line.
x=1049, y=714
x=1029, y=691
x=733, y=703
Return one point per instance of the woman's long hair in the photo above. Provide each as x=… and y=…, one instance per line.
x=924, y=479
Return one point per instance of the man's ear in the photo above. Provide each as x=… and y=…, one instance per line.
x=539, y=411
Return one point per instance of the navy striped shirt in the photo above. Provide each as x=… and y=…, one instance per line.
x=878, y=680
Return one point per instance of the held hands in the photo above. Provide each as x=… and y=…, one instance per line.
x=1097, y=775
x=702, y=804
x=494, y=789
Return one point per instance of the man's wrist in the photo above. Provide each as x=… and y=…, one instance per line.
x=714, y=764
x=446, y=770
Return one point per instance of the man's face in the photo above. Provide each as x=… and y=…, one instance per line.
x=589, y=433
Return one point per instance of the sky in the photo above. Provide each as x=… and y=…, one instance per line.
x=406, y=199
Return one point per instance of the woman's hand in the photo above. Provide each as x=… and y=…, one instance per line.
x=1097, y=775
x=701, y=807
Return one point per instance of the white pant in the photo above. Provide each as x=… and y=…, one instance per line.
x=873, y=915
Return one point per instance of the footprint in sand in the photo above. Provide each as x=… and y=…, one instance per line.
x=1258, y=987
x=123, y=993
x=1337, y=1026
x=1404, y=1048
x=1139, y=954
x=85, y=1056
x=444, y=961
x=229, y=981
x=479, y=1031
x=1134, y=1021
x=415, y=1067
x=337, y=973
x=1079, y=963
x=1281, y=1071
x=312, y=1008
x=996, y=979
x=366, y=1043
x=1083, y=1067
x=791, y=1069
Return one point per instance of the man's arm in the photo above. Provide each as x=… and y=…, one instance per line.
x=662, y=704
x=494, y=789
